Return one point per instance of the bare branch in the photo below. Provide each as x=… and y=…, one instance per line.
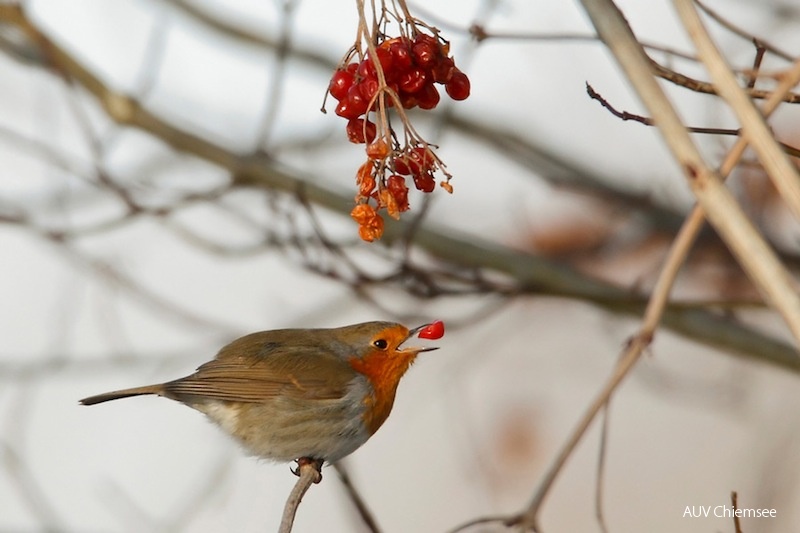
x=309, y=471
x=783, y=174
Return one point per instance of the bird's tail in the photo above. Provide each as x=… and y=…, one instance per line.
x=124, y=393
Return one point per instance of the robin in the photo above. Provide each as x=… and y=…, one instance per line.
x=293, y=394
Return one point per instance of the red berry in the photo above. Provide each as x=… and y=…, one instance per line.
x=427, y=39
x=401, y=55
x=341, y=83
x=386, y=60
x=412, y=80
x=443, y=70
x=423, y=158
x=358, y=133
x=394, y=87
x=401, y=165
x=415, y=161
x=424, y=55
x=425, y=51
x=434, y=330
x=398, y=189
x=427, y=97
x=368, y=88
x=458, y=86
x=424, y=182
x=353, y=105
x=408, y=100
x=366, y=69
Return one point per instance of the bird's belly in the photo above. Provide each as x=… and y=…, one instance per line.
x=284, y=429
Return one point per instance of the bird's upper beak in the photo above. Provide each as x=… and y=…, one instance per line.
x=413, y=333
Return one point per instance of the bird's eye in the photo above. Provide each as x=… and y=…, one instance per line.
x=380, y=344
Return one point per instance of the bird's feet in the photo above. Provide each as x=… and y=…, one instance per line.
x=308, y=462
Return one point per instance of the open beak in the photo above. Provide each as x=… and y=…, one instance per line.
x=412, y=333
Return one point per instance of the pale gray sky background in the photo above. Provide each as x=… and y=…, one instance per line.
x=476, y=422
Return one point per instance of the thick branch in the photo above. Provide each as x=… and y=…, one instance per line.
x=757, y=259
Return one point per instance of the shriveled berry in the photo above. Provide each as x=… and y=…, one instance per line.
x=433, y=331
x=370, y=223
x=458, y=86
x=424, y=182
x=398, y=189
x=378, y=150
x=365, y=179
x=401, y=165
x=360, y=131
x=422, y=157
x=417, y=160
x=387, y=200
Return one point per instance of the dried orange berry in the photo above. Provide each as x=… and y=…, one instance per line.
x=388, y=201
x=365, y=180
x=378, y=150
x=370, y=223
x=397, y=187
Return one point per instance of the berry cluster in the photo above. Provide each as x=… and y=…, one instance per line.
x=410, y=68
x=397, y=73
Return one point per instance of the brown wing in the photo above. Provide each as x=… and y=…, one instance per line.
x=266, y=365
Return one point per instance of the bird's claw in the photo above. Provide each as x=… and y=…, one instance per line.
x=308, y=461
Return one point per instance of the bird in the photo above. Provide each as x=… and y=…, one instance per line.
x=297, y=394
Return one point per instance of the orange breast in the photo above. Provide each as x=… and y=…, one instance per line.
x=383, y=370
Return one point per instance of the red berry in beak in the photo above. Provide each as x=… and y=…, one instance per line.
x=434, y=330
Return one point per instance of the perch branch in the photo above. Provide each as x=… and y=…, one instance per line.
x=309, y=471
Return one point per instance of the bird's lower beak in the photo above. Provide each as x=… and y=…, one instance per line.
x=412, y=333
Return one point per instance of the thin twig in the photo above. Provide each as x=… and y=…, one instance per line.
x=309, y=472
x=361, y=506
x=737, y=526
x=757, y=60
x=529, y=518
x=601, y=470
x=647, y=121
x=708, y=88
x=742, y=33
